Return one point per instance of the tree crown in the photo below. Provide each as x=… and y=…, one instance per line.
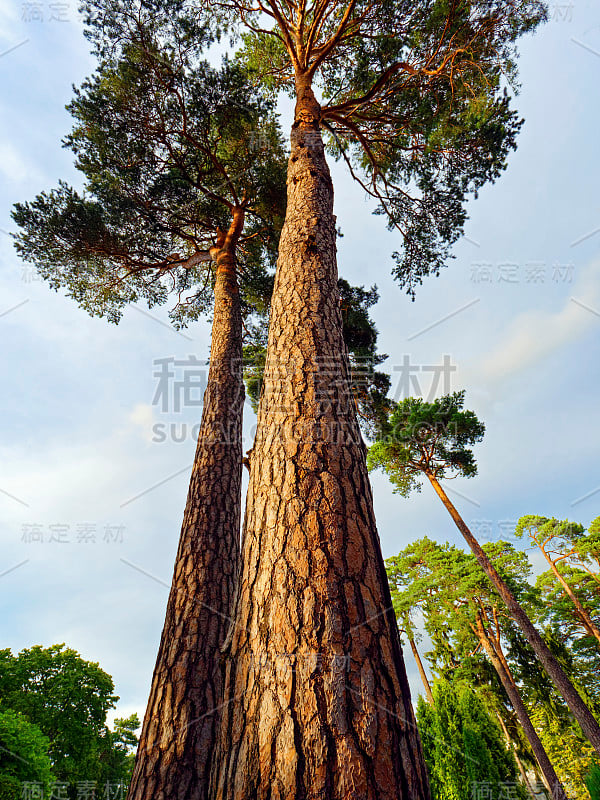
x=415, y=98
x=169, y=147
x=427, y=438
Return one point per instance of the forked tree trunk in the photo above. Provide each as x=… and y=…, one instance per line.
x=178, y=735
x=510, y=687
x=318, y=700
x=583, y=715
x=583, y=615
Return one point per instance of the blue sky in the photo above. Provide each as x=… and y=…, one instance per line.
x=517, y=313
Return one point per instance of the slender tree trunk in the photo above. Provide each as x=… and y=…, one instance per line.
x=514, y=750
x=558, y=793
x=581, y=612
x=579, y=709
x=179, y=730
x=421, y=668
x=503, y=660
x=319, y=704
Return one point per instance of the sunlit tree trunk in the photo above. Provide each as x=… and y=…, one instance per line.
x=318, y=700
x=421, y=668
x=510, y=687
x=585, y=718
x=178, y=735
x=583, y=615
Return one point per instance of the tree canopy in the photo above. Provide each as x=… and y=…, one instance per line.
x=464, y=747
x=67, y=698
x=427, y=438
x=23, y=754
x=169, y=146
x=415, y=98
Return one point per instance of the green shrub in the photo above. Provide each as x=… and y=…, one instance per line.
x=593, y=782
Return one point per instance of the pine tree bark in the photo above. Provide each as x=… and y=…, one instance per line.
x=583, y=715
x=318, y=700
x=178, y=735
x=510, y=687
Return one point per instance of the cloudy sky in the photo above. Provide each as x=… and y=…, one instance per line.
x=92, y=479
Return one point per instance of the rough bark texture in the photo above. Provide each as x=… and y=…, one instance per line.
x=585, y=718
x=178, y=734
x=510, y=687
x=318, y=700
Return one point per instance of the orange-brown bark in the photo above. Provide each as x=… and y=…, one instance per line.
x=178, y=735
x=318, y=700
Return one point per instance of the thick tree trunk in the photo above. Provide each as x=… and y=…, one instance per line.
x=510, y=687
x=178, y=735
x=583, y=615
x=421, y=669
x=319, y=704
x=579, y=709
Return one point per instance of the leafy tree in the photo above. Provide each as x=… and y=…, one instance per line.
x=117, y=750
x=463, y=746
x=66, y=698
x=560, y=540
x=434, y=440
x=183, y=202
x=412, y=95
x=415, y=100
x=23, y=754
x=593, y=782
x=458, y=599
x=558, y=612
x=167, y=147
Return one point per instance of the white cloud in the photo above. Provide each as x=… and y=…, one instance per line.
x=15, y=168
x=142, y=417
x=536, y=333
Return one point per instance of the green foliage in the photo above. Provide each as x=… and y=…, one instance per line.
x=574, y=555
x=589, y=547
x=68, y=698
x=562, y=539
x=168, y=146
x=560, y=614
x=416, y=100
x=557, y=535
x=592, y=782
x=23, y=754
x=427, y=438
x=463, y=746
x=447, y=588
